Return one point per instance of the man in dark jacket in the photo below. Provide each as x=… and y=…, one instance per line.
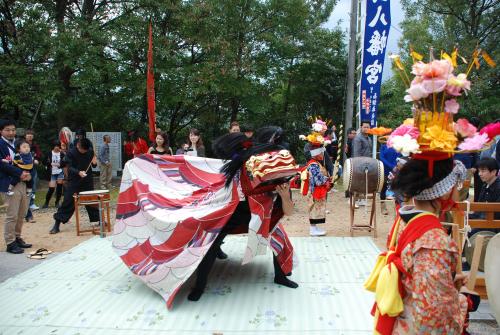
x=490, y=192
x=17, y=200
x=78, y=161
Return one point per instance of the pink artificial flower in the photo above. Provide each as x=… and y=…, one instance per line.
x=492, y=130
x=437, y=69
x=457, y=84
x=418, y=68
x=319, y=125
x=464, y=128
x=401, y=131
x=474, y=143
x=434, y=85
x=451, y=106
x=417, y=92
x=406, y=129
x=453, y=90
x=417, y=80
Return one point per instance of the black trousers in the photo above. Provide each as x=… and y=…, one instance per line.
x=240, y=216
x=384, y=189
x=67, y=208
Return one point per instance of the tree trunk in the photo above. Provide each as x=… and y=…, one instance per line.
x=64, y=73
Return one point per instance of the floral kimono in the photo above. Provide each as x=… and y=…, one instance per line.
x=432, y=304
x=318, y=190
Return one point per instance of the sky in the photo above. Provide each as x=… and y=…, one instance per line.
x=342, y=11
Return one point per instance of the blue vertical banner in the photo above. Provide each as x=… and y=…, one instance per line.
x=377, y=25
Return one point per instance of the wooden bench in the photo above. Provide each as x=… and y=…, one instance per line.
x=488, y=222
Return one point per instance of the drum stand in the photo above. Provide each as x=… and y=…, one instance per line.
x=102, y=201
x=373, y=218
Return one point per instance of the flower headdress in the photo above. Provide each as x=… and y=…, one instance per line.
x=434, y=92
x=316, y=138
x=318, y=124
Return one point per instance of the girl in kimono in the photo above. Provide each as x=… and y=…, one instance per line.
x=434, y=298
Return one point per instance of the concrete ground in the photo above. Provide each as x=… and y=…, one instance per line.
x=11, y=265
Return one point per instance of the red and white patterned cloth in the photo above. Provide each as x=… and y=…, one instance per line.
x=171, y=209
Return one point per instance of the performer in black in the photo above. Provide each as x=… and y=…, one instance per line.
x=79, y=161
x=234, y=146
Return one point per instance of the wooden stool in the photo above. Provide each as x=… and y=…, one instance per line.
x=101, y=198
x=372, y=225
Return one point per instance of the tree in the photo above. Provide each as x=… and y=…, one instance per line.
x=73, y=62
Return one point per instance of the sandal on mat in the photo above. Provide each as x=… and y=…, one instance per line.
x=41, y=251
x=36, y=256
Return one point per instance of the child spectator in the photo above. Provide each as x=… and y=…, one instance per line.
x=54, y=164
x=23, y=160
x=234, y=127
x=183, y=149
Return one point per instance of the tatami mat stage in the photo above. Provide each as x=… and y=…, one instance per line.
x=88, y=290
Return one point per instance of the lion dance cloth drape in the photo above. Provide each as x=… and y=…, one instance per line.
x=169, y=212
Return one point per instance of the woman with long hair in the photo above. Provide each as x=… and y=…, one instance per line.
x=54, y=163
x=196, y=147
x=160, y=147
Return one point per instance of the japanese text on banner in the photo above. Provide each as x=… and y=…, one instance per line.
x=378, y=22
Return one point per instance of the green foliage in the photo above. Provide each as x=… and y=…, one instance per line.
x=70, y=63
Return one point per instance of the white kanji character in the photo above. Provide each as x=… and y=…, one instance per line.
x=373, y=70
x=377, y=43
x=377, y=16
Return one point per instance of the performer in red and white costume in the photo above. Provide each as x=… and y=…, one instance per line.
x=174, y=211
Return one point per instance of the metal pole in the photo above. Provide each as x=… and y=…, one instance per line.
x=351, y=64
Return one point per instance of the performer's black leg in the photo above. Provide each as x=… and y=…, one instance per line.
x=48, y=196
x=59, y=191
x=221, y=254
x=280, y=278
x=67, y=208
x=92, y=211
x=55, y=228
x=205, y=267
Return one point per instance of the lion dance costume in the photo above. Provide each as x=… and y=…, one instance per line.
x=174, y=211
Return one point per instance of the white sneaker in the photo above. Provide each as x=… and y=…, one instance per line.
x=355, y=203
x=315, y=231
x=34, y=207
x=361, y=202
x=327, y=211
